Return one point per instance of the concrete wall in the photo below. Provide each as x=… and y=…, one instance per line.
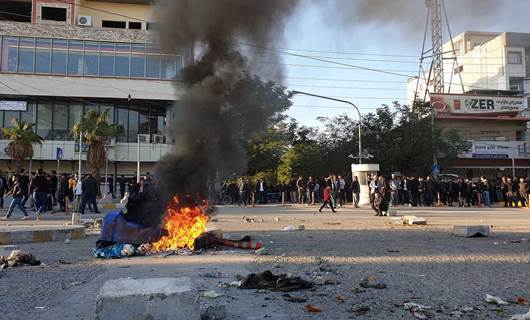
x=141, y=12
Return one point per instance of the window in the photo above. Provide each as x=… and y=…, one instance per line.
x=9, y=116
x=75, y=114
x=9, y=54
x=152, y=69
x=44, y=120
x=91, y=61
x=135, y=25
x=43, y=55
x=60, y=122
x=137, y=60
x=75, y=57
x=110, y=112
x=133, y=125
x=31, y=114
x=123, y=119
x=59, y=57
x=90, y=107
x=169, y=67
x=113, y=24
x=53, y=13
x=106, y=59
x=26, y=54
x=515, y=57
x=151, y=26
x=123, y=54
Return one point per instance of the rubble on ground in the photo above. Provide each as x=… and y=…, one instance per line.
x=267, y=280
x=18, y=258
x=471, y=231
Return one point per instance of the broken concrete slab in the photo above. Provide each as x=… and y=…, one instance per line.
x=471, y=231
x=153, y=298
x=413, y=220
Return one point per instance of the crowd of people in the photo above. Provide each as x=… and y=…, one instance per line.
x=413, y=191
x=43, y=192
x=462, y=192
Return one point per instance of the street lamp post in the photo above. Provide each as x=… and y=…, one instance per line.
x=343, y=101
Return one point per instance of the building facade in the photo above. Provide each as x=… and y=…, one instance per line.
x=486, y=98
x=60, y=59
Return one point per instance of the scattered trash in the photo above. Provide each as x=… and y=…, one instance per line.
x=212, y=294
x=397, y=220
x=333, y=223
x=236, y=284
x=252, y=219
x=267, y=280
x=525, y=316
x=372, y=282
x=67, y=241
x=73, y=284
x=360, y=311
x=144, y=250
x=357, y=290
x=495, y=300
x=290, y=298
x=293, y=228
x=522, y=301
x=312, y=308
x=341, y=298
x=515, y=241
x=18, y=258
x=261, y=252
x=211, y=275
x=393, y=251
x=277, y=219
x=98, y=222
x=417, y=310
x=41, y=308
x=127, y=250
x=214, y=313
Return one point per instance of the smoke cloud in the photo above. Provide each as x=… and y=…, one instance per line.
x=215, y=112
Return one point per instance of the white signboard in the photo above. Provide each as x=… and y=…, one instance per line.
x=6, y=105
x=460, y=103
x=498, y=150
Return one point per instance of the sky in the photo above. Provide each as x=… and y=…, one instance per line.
x=380, y=34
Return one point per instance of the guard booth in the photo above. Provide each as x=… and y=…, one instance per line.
x=362, y=171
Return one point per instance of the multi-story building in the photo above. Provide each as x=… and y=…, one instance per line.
x=61, y=58
x=489, y=68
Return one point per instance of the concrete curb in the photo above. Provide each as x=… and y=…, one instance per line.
x=41, y=234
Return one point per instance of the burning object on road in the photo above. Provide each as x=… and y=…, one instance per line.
x=183, y=230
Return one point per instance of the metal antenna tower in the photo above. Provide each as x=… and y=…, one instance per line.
x=437, y=79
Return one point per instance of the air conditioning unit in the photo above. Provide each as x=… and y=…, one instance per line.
x=157, y=138
x=144, y=138
x=84, y=21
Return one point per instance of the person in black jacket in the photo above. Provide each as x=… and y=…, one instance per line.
x=90, y=191
x=17, y=194
x=62, y=195
x=3, y=188
x=356, y=191
x=41, y=188
x=54, y=182
x=261, y=191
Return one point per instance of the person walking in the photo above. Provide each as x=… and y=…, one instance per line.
x=327, y=199
x=62, y=194
x=90, y=191
x=394, y=190
x=485, y=190
x=122, y=186
x=342, y=191
x=3, y=188
x=522, y=195
x=300, y=187
x=16, y=201
x=244, y=190
x=41, y=188
x=54, y=183
x=356, y=191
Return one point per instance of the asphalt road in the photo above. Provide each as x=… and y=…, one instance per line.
x=421, y=264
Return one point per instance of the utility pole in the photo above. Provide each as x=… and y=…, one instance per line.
x=437, y=67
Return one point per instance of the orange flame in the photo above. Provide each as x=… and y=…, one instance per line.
x=184, y=224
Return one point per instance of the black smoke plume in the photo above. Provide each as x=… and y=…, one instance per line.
x=219, y=106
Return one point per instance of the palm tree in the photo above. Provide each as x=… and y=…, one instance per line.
x=96, y=131
x=22, y=138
